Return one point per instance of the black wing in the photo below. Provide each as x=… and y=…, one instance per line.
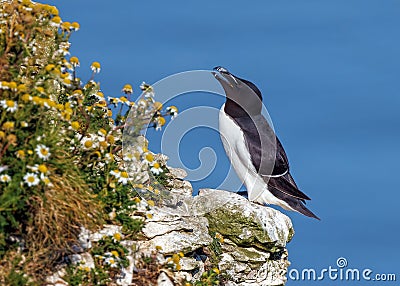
x=268, y=156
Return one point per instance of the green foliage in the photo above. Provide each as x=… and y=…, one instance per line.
x=78, y=275
x=15, y=276
x=109, y=257
x=61, y=158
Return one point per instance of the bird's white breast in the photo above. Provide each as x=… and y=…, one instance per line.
x=235, y=147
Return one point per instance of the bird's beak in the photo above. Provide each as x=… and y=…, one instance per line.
x=224, y=76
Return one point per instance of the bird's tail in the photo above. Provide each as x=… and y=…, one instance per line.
x=295, y=204
x=299, y=206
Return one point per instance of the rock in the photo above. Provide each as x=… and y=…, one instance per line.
x=163, y=280
x=175, y=234
x=83, y=259
x=255, y=236
x=189, y=263
x=56, y=278
x=177, y=173
x=246, y=223
x=107, y=230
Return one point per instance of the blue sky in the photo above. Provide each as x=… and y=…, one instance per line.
x=329, y=72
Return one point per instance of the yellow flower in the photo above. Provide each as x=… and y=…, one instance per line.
x=75, y=125
x=173, y=111
x=127, y=89
x=2, y=135
x=158, y=247
x=158, y=105
x=216, y=270
x=160, y=121
x=75, y=26
x=95, y=67
x=51, y=9
x=117, y=236
x=176, y=258
x=64, y=75
x=178, y=267
x=26, y=97
x=20, y=154
x=103, y=144
x=150, y=203
x=4, y=84
x=181, y=254
x=55, y=21
x=9, y=125
x=123, y=99
x=40, y=89
x=102, y=131
x=115, y=253
x=149, y=216
x=49, y=67
x=110, y=139
x=67, y=82
x=149, y=158
x=74, y=61
x=66, y=25
x=21, y=87
x=12, y=85
x=42, y=169
x=136, y=200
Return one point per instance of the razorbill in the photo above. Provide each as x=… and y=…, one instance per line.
x=253, y=149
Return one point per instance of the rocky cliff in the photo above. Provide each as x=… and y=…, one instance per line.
x=234, y=242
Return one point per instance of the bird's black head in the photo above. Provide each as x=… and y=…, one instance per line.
x=243, y=98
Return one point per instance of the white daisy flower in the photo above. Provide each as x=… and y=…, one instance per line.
x=88, y=142
x=46, y=180
x=173, y=111
x=95, y=67
x=111, y=261
x=116, y=173
x=156, y=169
x=31, y=179
x=43, y=151
x=109, y=158
x=160, y=122
x=9, y=105
x=147, y=89
x=5, y=178
x=124, y=177
x=129, y=157
x=148, y=158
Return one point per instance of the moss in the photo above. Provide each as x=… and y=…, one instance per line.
x=232, y=225
x=246, y=254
